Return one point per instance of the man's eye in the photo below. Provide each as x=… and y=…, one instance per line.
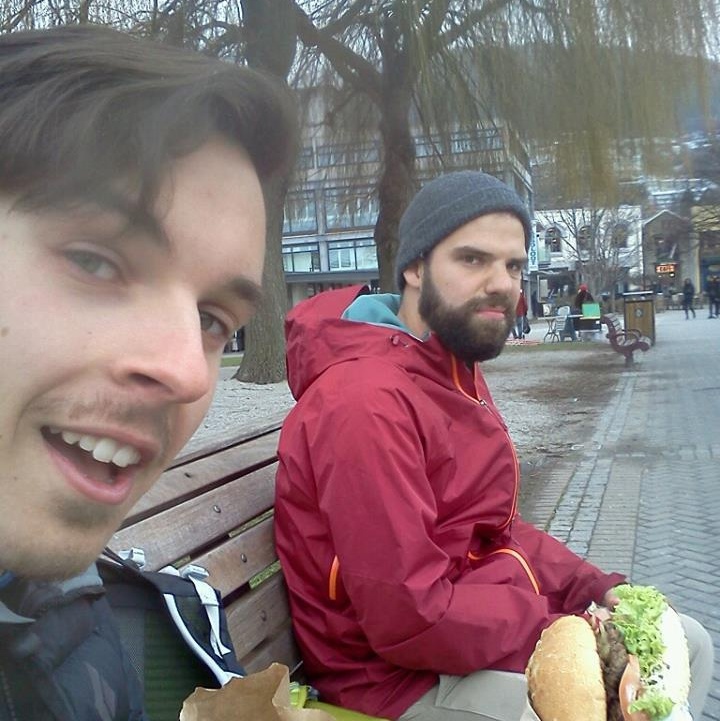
x=471, y=259
x=93, y=264
x=213, y=325
x=516, y=268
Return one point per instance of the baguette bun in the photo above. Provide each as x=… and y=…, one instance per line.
x=563, y=674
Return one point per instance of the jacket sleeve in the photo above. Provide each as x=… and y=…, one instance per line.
x=566, y=580
x=375, y=496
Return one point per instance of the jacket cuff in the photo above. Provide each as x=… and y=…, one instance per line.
x=602, y=585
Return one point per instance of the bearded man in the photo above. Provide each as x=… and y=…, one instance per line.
x=416, y=590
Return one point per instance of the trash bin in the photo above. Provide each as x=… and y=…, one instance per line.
x=640, y=312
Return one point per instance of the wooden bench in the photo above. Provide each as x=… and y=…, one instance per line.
x=624, y=341
x=213, y=508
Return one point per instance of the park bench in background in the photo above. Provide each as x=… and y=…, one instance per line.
x=624, y=341
x=213, y=509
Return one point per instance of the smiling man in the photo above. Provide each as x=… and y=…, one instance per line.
x=416, y=590
x=132, y=230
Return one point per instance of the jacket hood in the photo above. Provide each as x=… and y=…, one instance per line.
x=341, y=325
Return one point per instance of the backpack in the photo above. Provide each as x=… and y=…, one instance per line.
x=173, y=628
x=61, y=658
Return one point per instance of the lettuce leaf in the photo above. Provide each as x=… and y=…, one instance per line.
x=654, y=704
x=638, y=617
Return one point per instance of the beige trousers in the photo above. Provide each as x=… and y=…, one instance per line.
x=502, y=696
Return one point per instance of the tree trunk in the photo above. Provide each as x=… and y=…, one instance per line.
x=264, y=358
x=271, y=39
x=397, y=182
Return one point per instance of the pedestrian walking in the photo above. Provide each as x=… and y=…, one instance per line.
x=688, y=291
x=520, y=317
x=713, y=294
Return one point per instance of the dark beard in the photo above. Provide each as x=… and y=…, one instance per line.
x=460, y=330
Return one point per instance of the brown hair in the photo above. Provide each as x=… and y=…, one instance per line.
x=84, y=110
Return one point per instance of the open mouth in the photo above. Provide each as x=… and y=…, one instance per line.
x=99, y=458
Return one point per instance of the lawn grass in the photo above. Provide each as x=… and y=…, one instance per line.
x=236, y=359
x=230, y=360
x=550, y=347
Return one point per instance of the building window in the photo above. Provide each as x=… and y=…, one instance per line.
x=426, y=147
x=584, y=239
x=657, y=243
x=352, y=254
x=620, y=235
x=329, y=156
x=475, y=141
x=300, y=213
x=305, y=158
x=350, y=208
x=301, y=258
x=553, y=238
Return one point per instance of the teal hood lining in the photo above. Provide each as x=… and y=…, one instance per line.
x=378, y=309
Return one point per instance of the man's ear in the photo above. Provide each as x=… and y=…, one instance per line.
x=413, y=274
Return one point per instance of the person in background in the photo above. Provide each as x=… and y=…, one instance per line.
x=583, y=296
x=688, y=293
x=133, y=240
x=521, y=310
x=713, y=294
x=535, y=305
x=417, y=592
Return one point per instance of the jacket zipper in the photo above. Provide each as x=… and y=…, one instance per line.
x=516, y=464
x=484, y=404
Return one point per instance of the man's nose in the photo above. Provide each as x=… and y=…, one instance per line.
x=166, y=357
x=499, y=280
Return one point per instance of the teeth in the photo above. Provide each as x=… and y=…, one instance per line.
x=125, y=457
x=105, y=450
x=88, y=443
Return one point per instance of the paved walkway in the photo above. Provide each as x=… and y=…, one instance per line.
x=642, y=496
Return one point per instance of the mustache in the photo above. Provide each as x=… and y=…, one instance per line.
x=477, y=305
x=150, y=421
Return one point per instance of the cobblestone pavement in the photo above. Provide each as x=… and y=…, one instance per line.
x=642, y=495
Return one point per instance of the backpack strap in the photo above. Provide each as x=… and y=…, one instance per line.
x=218, y=639
x=194, y=607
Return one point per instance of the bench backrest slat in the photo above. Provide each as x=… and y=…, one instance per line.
x=258, y=614
x=190, y=479
x=205, y=519
x=240, y=558
x=280, y=649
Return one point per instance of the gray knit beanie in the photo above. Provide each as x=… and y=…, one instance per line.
x=448, y=202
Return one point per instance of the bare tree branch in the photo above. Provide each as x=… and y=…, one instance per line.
x=346, y=63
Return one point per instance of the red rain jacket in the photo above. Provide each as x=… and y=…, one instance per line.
x=521, y=308
x=396, y=517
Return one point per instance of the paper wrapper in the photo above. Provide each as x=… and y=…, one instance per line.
x=263, y=696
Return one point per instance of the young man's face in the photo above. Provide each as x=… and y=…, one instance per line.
x=470, y=285
x=111, y=340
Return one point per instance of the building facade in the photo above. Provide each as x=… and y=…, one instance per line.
x=332, y=207
x=601, y=247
